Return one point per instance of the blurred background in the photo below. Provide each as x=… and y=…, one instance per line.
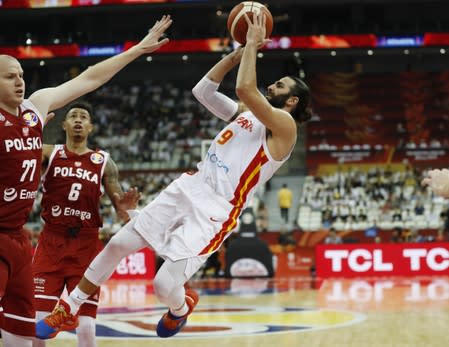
x=379, y=76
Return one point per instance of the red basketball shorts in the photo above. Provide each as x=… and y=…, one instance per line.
x=17, y=314
x=60, y=261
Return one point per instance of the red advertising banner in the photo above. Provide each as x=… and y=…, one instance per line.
x=136, y=266
x=71, y=3
x=425, y=259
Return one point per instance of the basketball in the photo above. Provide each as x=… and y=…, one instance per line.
x=237, y=25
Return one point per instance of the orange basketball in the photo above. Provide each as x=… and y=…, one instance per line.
x=237, y=25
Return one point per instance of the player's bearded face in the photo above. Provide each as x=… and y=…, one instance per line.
x=278, y=100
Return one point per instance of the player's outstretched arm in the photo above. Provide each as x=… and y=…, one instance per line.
x=50, y=99
x=279, y=122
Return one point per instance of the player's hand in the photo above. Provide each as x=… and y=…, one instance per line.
x=438, y=182
x=128, y=201
x=257, y=29
x=151, y=42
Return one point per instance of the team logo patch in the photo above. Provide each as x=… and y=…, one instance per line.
x=30, y=118
x=77, y=163
x=96, y=158
x=62, y=154
x=222, y=321
x=25, y=131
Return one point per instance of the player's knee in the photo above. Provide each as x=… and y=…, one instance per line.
x=115, y=246
x=86, y=332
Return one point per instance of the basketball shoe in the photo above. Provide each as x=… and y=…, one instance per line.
x=59, y=320
x=169, y=324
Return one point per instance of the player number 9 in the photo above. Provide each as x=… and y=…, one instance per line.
x=225, y=137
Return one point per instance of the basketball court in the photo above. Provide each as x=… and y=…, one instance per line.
x=282, y=312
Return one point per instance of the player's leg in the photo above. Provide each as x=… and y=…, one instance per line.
x=13, y=340
x=125, y=242
x=169, y=288
x=86, y=332
x=40, y=315
x=48, y=276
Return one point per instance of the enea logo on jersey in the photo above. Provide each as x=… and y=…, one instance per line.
x=31, y=119
x=9, y=194
x=221, y=321
x=56, y=211
x=96, y=158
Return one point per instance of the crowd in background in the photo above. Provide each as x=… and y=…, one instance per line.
x=379, y=198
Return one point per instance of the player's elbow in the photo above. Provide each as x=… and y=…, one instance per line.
x=197, y=92
x=243, y=91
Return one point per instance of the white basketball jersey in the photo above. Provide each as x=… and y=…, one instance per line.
x=238, y=160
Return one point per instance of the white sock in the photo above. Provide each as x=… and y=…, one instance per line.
x=76, y=298
x=179, y=312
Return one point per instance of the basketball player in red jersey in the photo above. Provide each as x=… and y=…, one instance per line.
x=21, y=123
x=73, y=183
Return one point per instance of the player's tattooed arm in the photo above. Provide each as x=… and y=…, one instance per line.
x=122, y=201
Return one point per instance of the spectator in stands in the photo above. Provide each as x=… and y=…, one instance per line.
x=333, y=238
x=285, y=198
x=262, y=217
x=419, y=208
x=286, y=238
x=396, y=236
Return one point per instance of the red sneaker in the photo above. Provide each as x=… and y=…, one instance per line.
x=59, y=320
x=169, y=324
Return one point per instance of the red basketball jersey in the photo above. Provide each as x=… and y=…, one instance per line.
x=20, y=158
x=72, y=186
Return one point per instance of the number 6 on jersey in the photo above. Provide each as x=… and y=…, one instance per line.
x=75, y=191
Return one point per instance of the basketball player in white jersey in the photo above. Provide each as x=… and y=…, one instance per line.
x=21, y=123
x=192, y=217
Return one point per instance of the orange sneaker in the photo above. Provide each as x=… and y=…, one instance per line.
x=59, y=320
x=169, y=324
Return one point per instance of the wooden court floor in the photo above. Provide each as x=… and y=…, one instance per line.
x=283, y=312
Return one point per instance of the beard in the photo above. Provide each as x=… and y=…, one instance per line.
x=278, y=100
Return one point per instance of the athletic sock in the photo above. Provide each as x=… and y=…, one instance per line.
x=76, y=298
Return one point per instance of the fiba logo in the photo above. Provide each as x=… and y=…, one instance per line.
x=56, y=211
x=30, y=118
x=9, y=194
x=96, y=158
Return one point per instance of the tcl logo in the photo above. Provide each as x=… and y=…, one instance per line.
x=437, y=258
x=359, y=260
x=401, y=260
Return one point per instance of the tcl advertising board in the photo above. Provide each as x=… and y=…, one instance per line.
x=423, y=259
